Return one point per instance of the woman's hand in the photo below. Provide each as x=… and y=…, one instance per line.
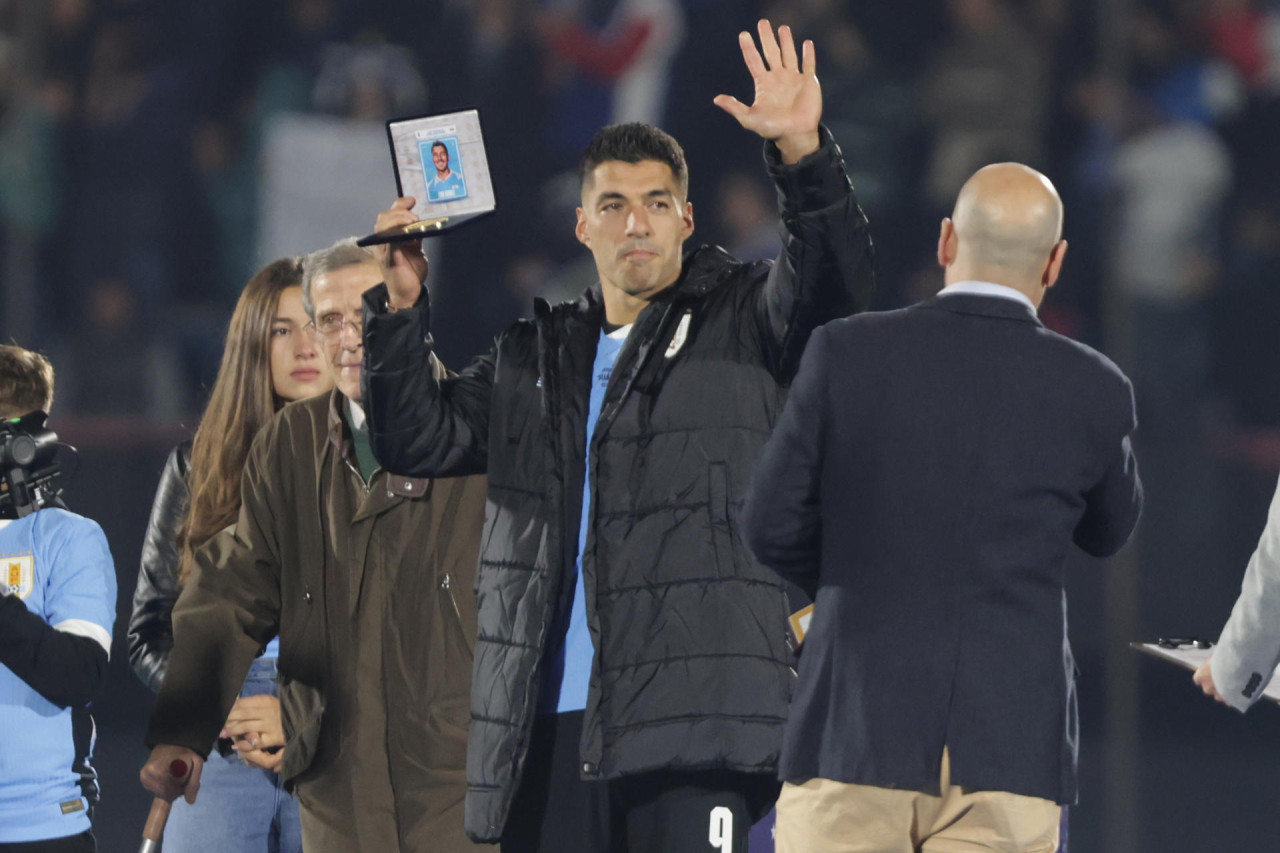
x=256, y=731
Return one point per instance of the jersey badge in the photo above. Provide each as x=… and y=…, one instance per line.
x=682, y=333
x=18, y=575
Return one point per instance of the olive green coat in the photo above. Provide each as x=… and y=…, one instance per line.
x=370, y=588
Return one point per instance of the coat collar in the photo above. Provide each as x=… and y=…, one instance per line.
x=702, y=270
x=340, y=442
x=983, y=306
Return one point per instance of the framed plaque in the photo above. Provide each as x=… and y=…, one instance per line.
x=439, y=160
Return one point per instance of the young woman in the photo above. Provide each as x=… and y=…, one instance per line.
x=268, y=361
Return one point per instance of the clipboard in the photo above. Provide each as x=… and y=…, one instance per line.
x=1189, y=653
x=439, y=160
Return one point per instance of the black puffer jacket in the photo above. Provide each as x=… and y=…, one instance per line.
x=151, y=625
x=692, y=665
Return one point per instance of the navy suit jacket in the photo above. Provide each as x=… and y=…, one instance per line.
x=932, y=470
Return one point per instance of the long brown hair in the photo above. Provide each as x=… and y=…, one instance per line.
x=242, y=401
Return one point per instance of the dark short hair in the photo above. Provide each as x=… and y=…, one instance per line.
x=439, y=144
x=631, y=143
x=26, y=382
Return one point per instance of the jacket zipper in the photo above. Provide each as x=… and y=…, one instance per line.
x=359, y=476
x=446, y=583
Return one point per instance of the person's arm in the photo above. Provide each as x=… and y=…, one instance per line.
x=150, y=626
x=825, y=269
x=67, y=669
x=1249, y=648
x=421, y=424
x=782, y=518
x=229, y=609
x=1113, y=505
x=64, y=659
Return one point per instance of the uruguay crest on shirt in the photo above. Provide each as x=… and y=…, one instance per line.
x=17, y=572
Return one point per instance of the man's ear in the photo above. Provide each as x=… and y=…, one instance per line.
x=947, y=242
x=1055, y=264
x=1054, y=267
x=580, y=229
x=687, y=229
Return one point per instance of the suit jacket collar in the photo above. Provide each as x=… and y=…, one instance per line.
x=983, y=306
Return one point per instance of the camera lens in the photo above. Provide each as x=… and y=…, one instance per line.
x=21, y=450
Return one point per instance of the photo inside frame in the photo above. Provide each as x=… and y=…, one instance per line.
x=440, y=161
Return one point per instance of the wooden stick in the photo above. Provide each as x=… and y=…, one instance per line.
x=153, y=832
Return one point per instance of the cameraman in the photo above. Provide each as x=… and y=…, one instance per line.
x=57, y=605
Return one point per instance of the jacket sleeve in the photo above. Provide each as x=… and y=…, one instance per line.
x=62, y=652
x=66, y=669
x=1249, y=648
x=421, y=424
x=825, y=269
x=150, y=628
x=228, y=610
x=782, y=518
x=1114, y=503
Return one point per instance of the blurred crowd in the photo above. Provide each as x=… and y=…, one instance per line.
x=140, y=140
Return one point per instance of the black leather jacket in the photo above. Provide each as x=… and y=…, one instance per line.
x=151, y=625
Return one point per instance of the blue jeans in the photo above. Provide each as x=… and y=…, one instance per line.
x=240, y=809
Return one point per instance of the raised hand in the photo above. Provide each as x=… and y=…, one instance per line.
x=403, y=264
x=788, y=99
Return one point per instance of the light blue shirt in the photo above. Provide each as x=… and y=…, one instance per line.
x=59, y=564
x=452, y=187
x=570, y=676
x=988, y=288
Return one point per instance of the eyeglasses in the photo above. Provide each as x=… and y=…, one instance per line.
x=330, y=326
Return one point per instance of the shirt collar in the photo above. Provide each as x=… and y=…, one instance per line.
x=355, y=414
x=410, y=487
x=4, y=522
x=988, y=288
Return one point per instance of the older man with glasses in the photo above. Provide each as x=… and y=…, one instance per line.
x=367, y=577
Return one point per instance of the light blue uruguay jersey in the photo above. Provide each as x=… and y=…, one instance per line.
x=59, y=564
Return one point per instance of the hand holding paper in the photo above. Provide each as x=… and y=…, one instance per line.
x=1204, y=679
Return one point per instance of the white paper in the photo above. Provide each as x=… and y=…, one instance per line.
x=1191, y=658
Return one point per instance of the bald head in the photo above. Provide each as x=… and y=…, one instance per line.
x=1006, y=228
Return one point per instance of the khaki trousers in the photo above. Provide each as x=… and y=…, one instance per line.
x=822, y=816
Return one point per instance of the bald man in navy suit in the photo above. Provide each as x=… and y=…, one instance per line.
x=926, y=482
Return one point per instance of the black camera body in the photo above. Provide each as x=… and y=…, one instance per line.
x=28, y=466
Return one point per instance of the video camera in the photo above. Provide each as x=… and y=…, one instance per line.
x=28, y=469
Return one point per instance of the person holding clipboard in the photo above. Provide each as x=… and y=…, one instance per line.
x=1248, y=651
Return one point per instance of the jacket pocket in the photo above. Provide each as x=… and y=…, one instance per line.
x=301, y=715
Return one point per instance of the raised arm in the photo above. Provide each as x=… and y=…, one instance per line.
x=422, y=423
x=825, y=269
